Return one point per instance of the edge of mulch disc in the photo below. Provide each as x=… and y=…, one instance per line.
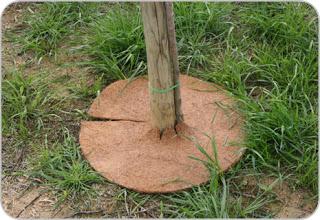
x=128, y=151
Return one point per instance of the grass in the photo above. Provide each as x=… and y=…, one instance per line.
x=83, y=91
x=282, y=121
x=47, y=24
x=213, y=202
x=199, y=27
x=62, y=167
x=116, y=45
x=288, y=28
x=26, y=103
x=117, y=48
x=135, y=202
x=265, y=54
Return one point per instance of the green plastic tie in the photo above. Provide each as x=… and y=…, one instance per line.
x=162, y=91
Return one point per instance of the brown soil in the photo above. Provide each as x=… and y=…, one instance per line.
x=288, y=202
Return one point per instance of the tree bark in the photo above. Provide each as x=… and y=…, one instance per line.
x=163, y=68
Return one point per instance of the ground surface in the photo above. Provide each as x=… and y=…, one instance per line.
x=43, y=172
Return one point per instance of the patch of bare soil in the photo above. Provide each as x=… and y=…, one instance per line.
x=12, y=15
x=11, y=21
x=22, y=199
x=288, y=202
x=295, y=203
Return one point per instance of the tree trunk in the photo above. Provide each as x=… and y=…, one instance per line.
x=163, y=68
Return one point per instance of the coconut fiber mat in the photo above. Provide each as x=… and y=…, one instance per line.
x=123, y=146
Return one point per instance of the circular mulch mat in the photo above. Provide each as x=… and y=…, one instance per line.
x=127, y=150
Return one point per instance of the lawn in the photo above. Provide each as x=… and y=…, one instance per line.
x=57, y=57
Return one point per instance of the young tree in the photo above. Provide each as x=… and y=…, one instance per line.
x=163, y=67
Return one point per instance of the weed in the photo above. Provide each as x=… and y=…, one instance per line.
x=283, y=24
x=136, y=203
x=199, y=28
x=46, y=24
x=61, y=167
x=276, y=83
x=26, y=102
x=213, y=201
x=85, y=91
x=116, y=44
x=210, y=161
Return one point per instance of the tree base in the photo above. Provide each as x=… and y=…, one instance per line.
x=126, y=149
